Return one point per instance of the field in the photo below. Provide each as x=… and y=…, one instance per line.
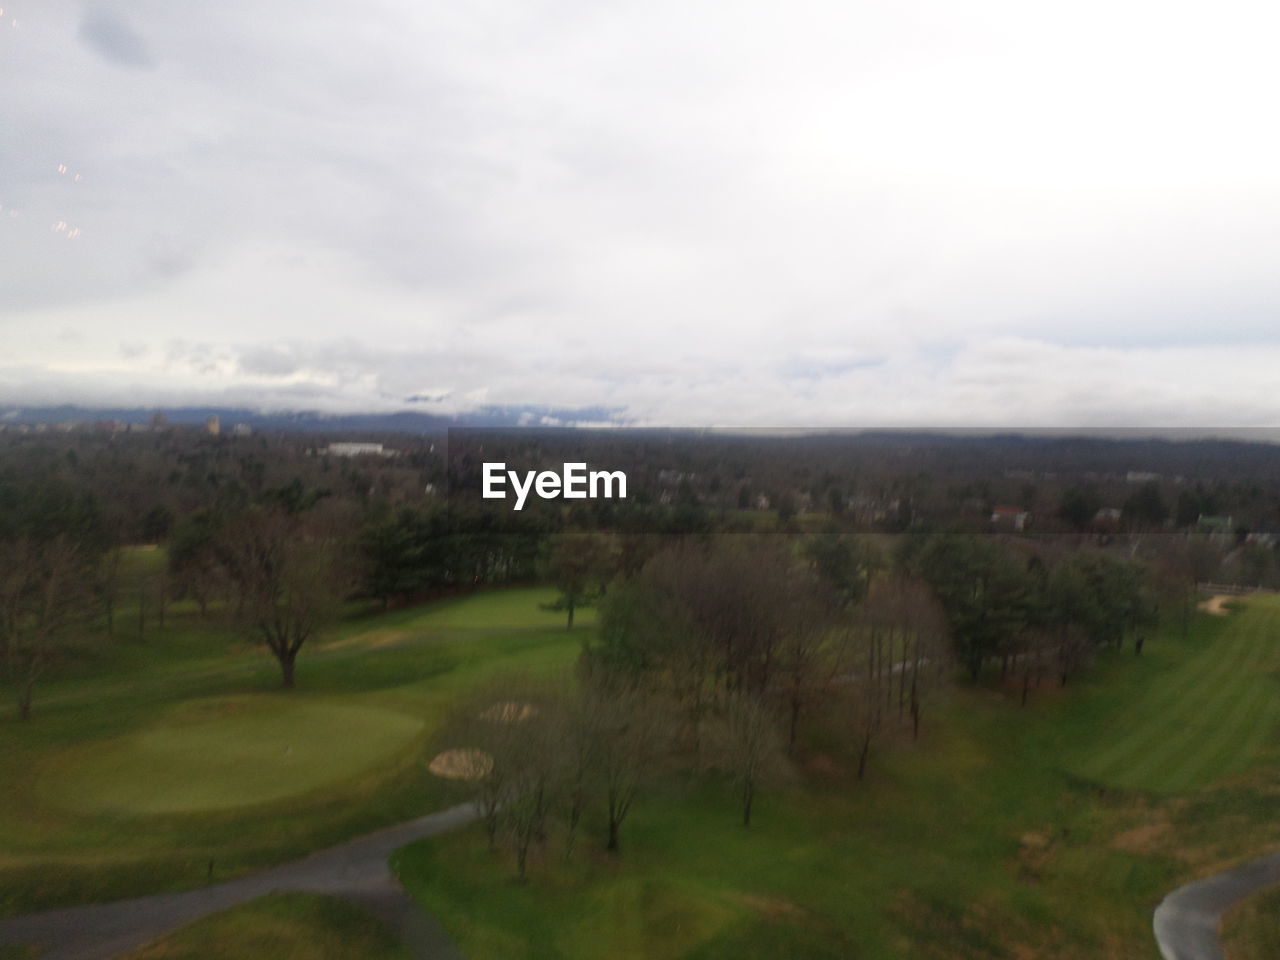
x=284, y=926
x=164, y=755
x=988, y=841
x=1198, y=719
x=1252, y=930
x=1008, y=832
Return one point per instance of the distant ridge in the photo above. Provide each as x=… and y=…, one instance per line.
x=407, y=421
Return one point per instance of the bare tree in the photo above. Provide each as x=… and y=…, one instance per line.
x=753, y=749
x=630, y=736
x=289, y=576
x=44, y=596
x=580, y=566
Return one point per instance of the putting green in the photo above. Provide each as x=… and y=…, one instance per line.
x=225, y=752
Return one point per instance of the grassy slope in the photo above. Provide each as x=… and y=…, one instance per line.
x=283, y=926
x=1206, y=717
x=977, y=844
x=58, y=845
x=1252, y=930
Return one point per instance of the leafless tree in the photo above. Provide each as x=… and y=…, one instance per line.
x=289, y=575
x=752, y=746
x=631, y=735
x=45, y=595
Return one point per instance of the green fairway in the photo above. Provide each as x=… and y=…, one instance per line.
x=283, y=926
x=217, y=753
x=1194, y=722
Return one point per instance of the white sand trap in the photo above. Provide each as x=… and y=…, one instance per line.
x=509, y=712
x=462, y=765
x=1215, y=603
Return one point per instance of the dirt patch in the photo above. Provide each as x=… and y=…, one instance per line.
x=1216, y=604
x=773, y=908
x=371, y=639
x=824, y=765
x=462, y=765
x=1147, y=838
x=1031, y=840
x=509, y=712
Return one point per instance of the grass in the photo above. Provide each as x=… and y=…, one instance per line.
x=282, y=926
x=132, y=775
x=984, y=841
x=217, y=753
x=1198, y=719
x=1005, y=833
x=1251, y=931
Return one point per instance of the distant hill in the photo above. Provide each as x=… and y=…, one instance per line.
x=312, y=422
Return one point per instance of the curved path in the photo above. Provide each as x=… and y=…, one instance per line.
x=356, y=871
x=1186, y=922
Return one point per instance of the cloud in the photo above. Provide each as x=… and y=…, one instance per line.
x=108, y=33
x=874, y=210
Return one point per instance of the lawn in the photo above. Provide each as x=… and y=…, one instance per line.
x=1005, y=833
x=1199, y=716
x=283, y=926
x=985, y=841
x=1251, y=931
x=150, y=759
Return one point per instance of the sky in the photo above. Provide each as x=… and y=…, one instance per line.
x=890, y=213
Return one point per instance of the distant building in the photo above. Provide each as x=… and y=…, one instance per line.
x=358, y=450
x=242, y=430
x=213, y=425
x=1013, y=518
x=1140, y=476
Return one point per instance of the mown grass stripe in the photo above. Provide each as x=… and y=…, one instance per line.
x=1171, y=696
x=1225, y=696
x=1203, y=719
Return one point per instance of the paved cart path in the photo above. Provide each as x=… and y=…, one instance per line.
x=1186, y=922
x=356, y=871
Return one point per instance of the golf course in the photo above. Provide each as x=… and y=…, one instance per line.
x=1048, y=830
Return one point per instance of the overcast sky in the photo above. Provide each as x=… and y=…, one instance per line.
x=699, y=213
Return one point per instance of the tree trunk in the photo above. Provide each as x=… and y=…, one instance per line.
x=522, y=858
x=569, y=626
x=748, y=795
x=612, y=846
x=287, y=661
x=795, y=722
x=866, y=750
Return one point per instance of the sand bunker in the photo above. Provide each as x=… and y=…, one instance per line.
x=1215, y=603
x=509, y=712
x=462, y=765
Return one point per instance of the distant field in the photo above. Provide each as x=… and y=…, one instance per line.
x=1193, y=722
